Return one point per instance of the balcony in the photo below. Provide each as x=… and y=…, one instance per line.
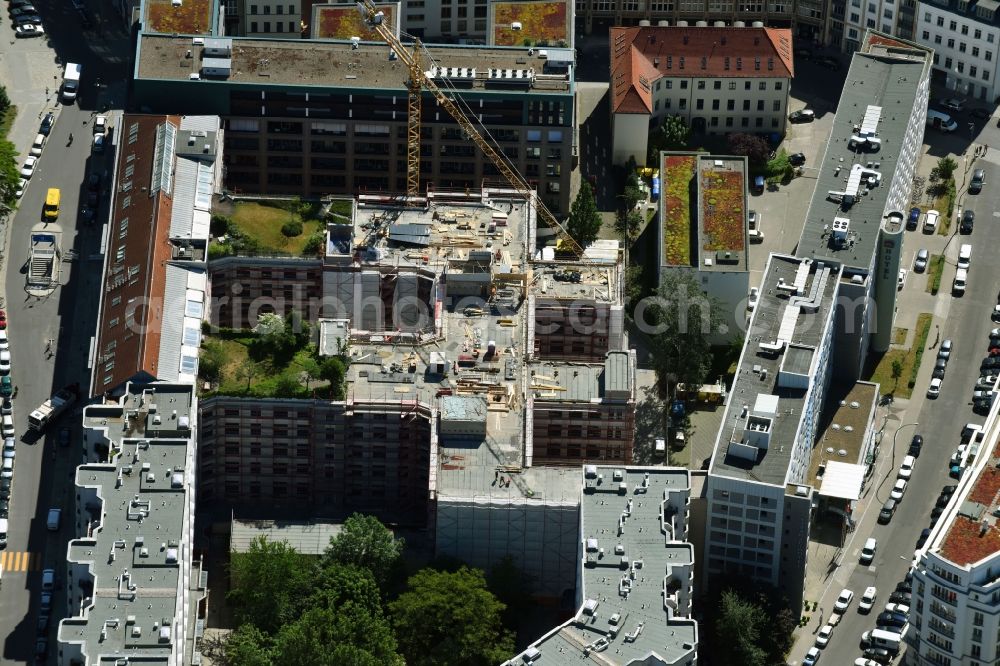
x=943, y=612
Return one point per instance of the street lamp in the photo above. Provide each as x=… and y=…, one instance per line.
x=905, y=425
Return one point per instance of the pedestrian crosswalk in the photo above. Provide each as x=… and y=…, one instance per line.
x=19, y=560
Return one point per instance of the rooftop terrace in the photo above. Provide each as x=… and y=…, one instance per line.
x=861, y=157
x=577, y=282
x=344, y=21
x=137, y=551
x=335, y=64
x=191, y=17
x=776, y=368
x=843, y=438
x=634, y=578
x=532, y=23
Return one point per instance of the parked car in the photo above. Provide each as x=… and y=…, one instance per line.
x=868, y=551
x=812, y=657
x=28, y=168
x=981, y=113
x=977, y=182
x=867, y=599
x=953, y=104
x=802, y=116
x=888, y=619
x=920, y=263
x=844, y=600
x=921, y=540
x=28, y=30
x=931, y=221
x=879, y=655
x=901, y=279
x=23, y=10
x=753, y=298
x=47, y=122
x=934, y=390
x=892, y=607
x=19, y=189
x=945, y=350
x=897, y=490
x=824, y=636
x=797, y=159
x=758, y=185
x=968, y=222
x=911, y=222
x=916, y=444
x=888, y=509
x=901, y=597
x=906, y=467
x=940, y=365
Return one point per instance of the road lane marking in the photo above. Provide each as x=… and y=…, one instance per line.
x=14, y=561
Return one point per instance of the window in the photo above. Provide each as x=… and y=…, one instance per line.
x=937, y=39
x=555, y=136
x=701, y=85
x=729, y=121
x=760, y=105
x=279, y=26
x=744, y=122
x=855, y=17
x=965, y=29
x=925, y=35
x=961, y=47
x=762, y=85
x=670, y=84
x=986, y=75
x=887, y=14
x=940, y=21
x=267, y=25
x=927, y=17
x=253, y=10
x=684, y=85
x=730, y=105
x=973, y=70
x=253, y=26
x=977, y=33
x=699, y=104
x=715, y=105
x=960, y=66
x=682, y=104
x=291, y=26
x=281, y=10
x=777, y=85
x=776, y=106
x=291, y=9
x=953, y=26
x=746, y=105
x=732, y=85
x=975, y=51
x=717, y=85
x=746, y=85
x=947, y=63
x=988, y=55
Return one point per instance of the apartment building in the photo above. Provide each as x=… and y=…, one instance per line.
x=313, y=118
x=955, y=612
x=718, y=79
x=124, y=594
x=852, y=19
x=965, y=38
x=320, y=457
x=758, y=490
x=633, y=592
x=583, y=412
x=243, y=288
x=709, y=237
x=149, y=317
x=274, y=18
x=855, y=218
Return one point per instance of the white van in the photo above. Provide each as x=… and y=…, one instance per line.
x=961, y=277
x=7, y=469
x=3, y=532
x=965, y=256
x=886, y=639
x=36, y=147
x=941, y=121
x=7, y=428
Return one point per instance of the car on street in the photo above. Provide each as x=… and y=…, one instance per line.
x=889, y=619
x=949, y=490
x=953, y=104
x=23, y=10
x=98, y=145
x=879, y=655
x=945, y=350
x=64, y=436
x=906, y=467
x=87, y=214
x=797, y=159
x=968, y=222
x=812, y=657
x=920, y=263
x=5, y=362
x=940, y=365
x=922, y=539
x=931, y=221
x=862, y=661
x=753, y=298
x=892, y=607
x=19, y=3
x=934, y=390
x=897, y=490
x=19, y=189
x=901, y=279
x=844, y=600
x=867, y=600
x=6, y=386
x=900, y=597
x=28, y=30
x=26, y=19
x=758, y=185
x=916, y=444
x=911, y=222
x=981, y=113
x=977, y=182
x=9, y=450
x=802, y=116
x=47, y=122
x=28, y=168
x=824, y=636
x=868, y=551
x=885, y=514
x=829, y=63
x=94, y=182
x=45, y=602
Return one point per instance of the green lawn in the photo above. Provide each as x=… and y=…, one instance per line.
x=910, y=358
x=266, y=378
x=263, y=224
x=7, y=120
x=935, y=268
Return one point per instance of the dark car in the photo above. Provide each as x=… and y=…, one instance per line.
x=4, y=508
x=803, y=52
x=881, y=655
x=797, y=159
x=93, y=181
x=43, y=624
x=900, y=597
x=889, y=508
x=968, y=221
x=940, y=365
x=829, y=63
x=802, y=116
x=64, y=437
x=758, y=185
x=904, y=586
x=92, y=199
x=942, y=501
x=915, y=445
x=922, y=539
x=911, y=222
x=28, y=19
x=977, y=182
x=981, y=113
x=949, y=490
x=87, y=214
x=47, y=122
x=887, y=619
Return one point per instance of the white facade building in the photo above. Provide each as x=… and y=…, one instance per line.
x=272, y=18
x=966, y=43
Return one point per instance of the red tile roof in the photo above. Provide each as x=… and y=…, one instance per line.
x=641, y=55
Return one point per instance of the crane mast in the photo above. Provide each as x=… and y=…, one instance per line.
x=375, y=19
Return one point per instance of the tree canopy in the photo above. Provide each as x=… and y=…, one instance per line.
x=584, y=220
x=267, y=584
x=427, y=618
x=753, y=147
x=672, y=134
x=366, y=542
x=683, y=319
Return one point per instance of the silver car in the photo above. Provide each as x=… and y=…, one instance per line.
x=920, y=263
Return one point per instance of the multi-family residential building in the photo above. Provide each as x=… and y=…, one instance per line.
x=703, y=228
x=966, y=41
x=955, y=611
x=273, y=18
x=759, y=490
x=243, y=288
x=634, y=573
x=131, y=580
x=718, y=79
x=152, y=304
x=855, y=218
x=851, y=19
x=313, y=118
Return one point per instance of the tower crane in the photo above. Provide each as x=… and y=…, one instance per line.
x=417, y=80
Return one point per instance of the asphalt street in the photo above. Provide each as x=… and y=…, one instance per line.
x=50, y=336
x=940, y=421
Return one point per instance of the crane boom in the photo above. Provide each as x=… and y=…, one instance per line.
x=375, y=20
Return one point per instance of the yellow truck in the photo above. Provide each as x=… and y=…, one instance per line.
x=52, y=198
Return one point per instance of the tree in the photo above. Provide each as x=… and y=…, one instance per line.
x=287, y=385
x=628, y=224
x=584, y=220
x=247, y=646
x=743, y=623
x=946, y=168
x=672, y=134
x=247, y=370
x=510, y=585
x=753, y=147
x=633, y=286
x=9, y=176
x=450, y=619
x=4, y=99
x=682, y=319
x=211, y=360
x=632, y=195
x=332, y=369
x=365, y=542
x=268, y=583
x=327, y=636
x=897, y=372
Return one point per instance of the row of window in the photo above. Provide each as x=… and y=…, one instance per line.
x=279, y=9
x=265, y=27
x=962, y=29
x=716, y=85
x=699, y=105
x=962, y=47
x=758, y=123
